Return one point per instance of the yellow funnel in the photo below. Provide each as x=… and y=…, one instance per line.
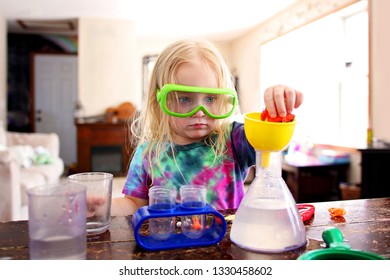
x=267, y=136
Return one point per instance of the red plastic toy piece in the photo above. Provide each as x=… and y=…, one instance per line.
x=266, y=117
x=306, y=211
x=337, y=212
x=196, y=223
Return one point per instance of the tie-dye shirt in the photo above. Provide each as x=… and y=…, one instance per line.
x=224, y=179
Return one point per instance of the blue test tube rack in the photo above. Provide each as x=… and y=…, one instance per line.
x=212, y=234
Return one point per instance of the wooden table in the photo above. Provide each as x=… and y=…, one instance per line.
x=366, y=226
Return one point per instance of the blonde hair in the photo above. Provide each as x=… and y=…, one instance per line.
x=152, y=127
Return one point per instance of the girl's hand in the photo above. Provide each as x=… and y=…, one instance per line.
x=280, y=100
x=93, y=205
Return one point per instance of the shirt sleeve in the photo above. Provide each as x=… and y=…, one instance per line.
x=244, y=153
x=137, y=178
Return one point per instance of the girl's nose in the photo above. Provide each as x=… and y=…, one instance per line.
x=198, y=114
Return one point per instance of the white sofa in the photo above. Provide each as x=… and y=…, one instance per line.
x=17, y=175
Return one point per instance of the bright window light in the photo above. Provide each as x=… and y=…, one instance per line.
x=328, y=61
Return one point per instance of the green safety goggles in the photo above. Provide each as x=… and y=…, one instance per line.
x=184, y=101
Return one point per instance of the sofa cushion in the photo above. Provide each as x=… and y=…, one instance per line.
x=51, y=172
x=37, y=175
x=3, y=138
x=24, y=154
x=27, y=155
x=50, y=141
x=30, y=179
x=15, y=180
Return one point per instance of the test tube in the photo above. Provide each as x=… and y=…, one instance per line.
x=162, y=198
x=193, y=197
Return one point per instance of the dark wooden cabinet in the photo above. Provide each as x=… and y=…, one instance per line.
x=375, y=166
x=314, y=181
x=103, y=146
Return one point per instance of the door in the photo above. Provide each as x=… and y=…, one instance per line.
x=55, y=97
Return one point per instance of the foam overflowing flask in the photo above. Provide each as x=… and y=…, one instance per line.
x=267, y=219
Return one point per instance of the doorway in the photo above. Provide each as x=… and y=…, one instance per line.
x=54, y=97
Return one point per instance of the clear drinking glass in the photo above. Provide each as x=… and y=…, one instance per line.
x=99, y=194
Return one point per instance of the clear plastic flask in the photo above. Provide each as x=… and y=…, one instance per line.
x=267, y=219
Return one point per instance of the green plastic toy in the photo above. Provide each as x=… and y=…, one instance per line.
x=337, y=249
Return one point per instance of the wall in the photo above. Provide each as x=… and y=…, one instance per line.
x=380, y=68
x=245, y=50
x=153, y=46
x=107, y=64
x=147, y=47
x=3, y=74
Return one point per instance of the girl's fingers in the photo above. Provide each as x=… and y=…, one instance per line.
x=280, y=100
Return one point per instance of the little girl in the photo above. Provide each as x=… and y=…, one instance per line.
x=185, y=132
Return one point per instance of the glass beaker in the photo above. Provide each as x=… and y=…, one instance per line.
x=267, y=219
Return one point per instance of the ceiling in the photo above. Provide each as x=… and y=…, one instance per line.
x=214, y=19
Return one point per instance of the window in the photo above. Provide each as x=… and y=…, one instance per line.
x=328, y=61
x=148, y=63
